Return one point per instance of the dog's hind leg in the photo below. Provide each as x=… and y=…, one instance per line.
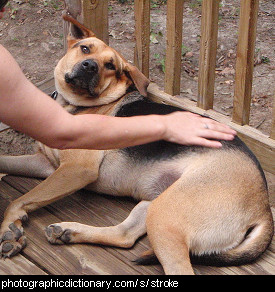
x=72, y=175
x=170, y=247
x=168, y=233
x=171, y=251
x=123, y=235
x=36, y=165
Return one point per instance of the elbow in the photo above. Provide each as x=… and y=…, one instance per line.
x=56, y=144
x=60, y=142
x=61, y=145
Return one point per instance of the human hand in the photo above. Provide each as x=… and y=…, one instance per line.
x=191, y=129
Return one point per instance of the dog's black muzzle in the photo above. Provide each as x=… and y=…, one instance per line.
x=85, y=75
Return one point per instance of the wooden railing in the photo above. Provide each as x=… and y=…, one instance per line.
x=94, y=14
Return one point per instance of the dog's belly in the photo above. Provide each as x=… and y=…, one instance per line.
x=121, y=176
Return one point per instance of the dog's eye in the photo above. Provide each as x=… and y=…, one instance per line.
x=110, y=66
x=85, y=49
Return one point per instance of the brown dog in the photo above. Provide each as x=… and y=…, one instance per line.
x=210, y=203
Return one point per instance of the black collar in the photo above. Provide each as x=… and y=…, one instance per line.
x=74, y=110
x=54, y=95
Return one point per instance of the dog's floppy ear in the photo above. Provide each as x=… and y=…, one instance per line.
x=140, y=80
x=78, y=30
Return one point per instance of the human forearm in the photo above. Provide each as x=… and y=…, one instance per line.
x=106, y=132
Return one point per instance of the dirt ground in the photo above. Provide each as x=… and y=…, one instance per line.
x=32, y=31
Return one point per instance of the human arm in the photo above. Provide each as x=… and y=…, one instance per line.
x=178, y=127
x=26, y=109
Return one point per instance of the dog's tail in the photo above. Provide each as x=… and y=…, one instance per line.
x=147, y=258
x=256, y=241
x=254, y=244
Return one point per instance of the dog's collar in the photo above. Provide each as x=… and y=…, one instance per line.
x=67, y=106
x=54, y=95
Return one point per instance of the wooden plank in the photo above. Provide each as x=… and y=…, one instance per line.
x=95, y=17
x=260, y=144
x=142, y=33
x=47, y=86
x=74, y=7
x=174, y=45
x=19, y=265
x=208, y=52
x=245, y=61
x=92, y=13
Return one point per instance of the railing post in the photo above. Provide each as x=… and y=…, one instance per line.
x=142, y=31
x=208, y=52
x=174, y=45
x=95, y=14
x=245, y=61
x=92, y=13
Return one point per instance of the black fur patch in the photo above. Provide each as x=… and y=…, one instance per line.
x=137, y=105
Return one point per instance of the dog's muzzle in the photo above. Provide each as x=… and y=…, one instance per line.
x=85, y=75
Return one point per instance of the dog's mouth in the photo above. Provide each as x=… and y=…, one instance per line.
x=84, y=76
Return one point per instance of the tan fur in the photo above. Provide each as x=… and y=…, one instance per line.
x=212, y=213
x=203, y=208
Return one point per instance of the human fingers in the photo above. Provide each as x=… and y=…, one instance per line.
x=199, y=141
x=216, y=135
x=209, y=124
x=191, y=129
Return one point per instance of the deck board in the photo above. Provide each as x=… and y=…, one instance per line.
x=19, y=265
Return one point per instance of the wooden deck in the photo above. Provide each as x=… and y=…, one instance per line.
x=42, y=258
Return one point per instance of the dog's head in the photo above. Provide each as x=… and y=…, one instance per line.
x=92, y=73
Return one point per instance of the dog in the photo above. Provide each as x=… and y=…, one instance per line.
x=196, y=203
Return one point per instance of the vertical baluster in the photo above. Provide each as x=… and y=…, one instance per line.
x=245, y=61
x=208, y=52
x=142, y=31
x=174, y=44
x=92, y=13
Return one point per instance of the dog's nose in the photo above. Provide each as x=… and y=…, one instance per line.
x=90, y=66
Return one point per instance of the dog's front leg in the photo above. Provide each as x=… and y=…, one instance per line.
x=36, y=165
x=122, y=235
x=72, y=175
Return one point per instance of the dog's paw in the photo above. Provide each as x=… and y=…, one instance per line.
x=12, y=241
x=57, y=235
